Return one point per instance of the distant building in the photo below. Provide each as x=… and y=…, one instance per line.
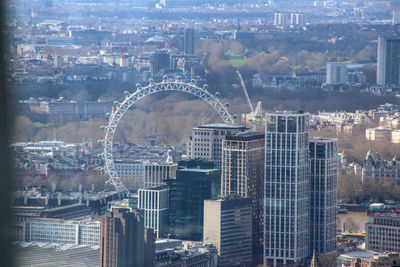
x=144, y=174
x=83, y=110
x=388, y=64
x=396, y=136
x=280, y=19
x=45, y=230
x=368, y=258
x=310, y=77
x=159, y=61
x=155, y=174
x=242, y=174
x=378, y=134
x=336, y=73
x=274, y=80
x=356, y=77
x=383, y=233
x=243, y=36
x=124, y=241
x=286, y=211
x=188, y=42
x=174, y=252
x=205, y=142
x=133, y=171
x=152, y=139
x=228, y=226
x=396, y=17
x=374, y=166
x=52, y=254
x=296, y=19
x=186, y=201
x=154, y=204
x=323, y=194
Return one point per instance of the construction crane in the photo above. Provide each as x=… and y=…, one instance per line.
x=255, y=114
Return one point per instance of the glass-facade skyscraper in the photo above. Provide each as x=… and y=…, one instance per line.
x=323, y=194
x=286, y=209
x=186, y=200
x=242, y=174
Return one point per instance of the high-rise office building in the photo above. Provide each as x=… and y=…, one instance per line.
x=242, y=174
x=323, y=194
x=124, y=241
x=228, y=226
x=188, y=42
x=186, y=201
x=205, y=142
x=154, y=204
x=388, y=65
x=336, y=73
x=286, y=213
x=159, y=61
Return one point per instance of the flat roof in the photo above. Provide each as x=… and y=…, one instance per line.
x=221, y=126
x=197, y=170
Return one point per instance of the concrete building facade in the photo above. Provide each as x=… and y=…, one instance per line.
x=154, y=204
x=336, y=73
x=388, y=62
x=228, y=226
x=205, y=141
x=378, y=134
x=124, y=241
x=383, y=233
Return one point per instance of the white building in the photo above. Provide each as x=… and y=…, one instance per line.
x=132, y=172
x=296, y=19
x=396, y=136
x=205, y=141
x=44, y=230
x=156, y=173
x=286, y=211
x=154, y=202
x=144, y=174
x=378, y=134
x=280, y=19
x=336, y=73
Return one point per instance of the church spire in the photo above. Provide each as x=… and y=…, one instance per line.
x=314, y=262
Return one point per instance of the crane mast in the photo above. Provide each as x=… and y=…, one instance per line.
x=252, y=113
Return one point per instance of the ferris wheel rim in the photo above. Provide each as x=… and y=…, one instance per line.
x=131, y=98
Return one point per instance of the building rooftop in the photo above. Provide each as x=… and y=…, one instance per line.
x=49, y=255
x=322, y=139
x=360, y=254
x=286, y=113
x=246, y=136
x=221, y=126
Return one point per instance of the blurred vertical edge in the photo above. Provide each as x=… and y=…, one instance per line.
x=7, y=255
